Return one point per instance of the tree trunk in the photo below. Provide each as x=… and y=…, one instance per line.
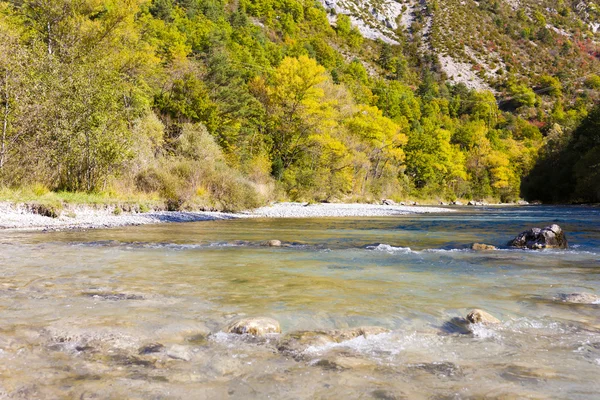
x=4, y=122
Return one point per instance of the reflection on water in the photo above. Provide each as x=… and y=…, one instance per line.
x=136, y=312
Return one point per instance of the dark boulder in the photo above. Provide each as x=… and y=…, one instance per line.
x=551, y=237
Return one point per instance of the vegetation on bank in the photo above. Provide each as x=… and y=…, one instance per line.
x=211, y=104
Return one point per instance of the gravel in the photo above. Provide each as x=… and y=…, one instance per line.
x=19, y=217
x=303, y=210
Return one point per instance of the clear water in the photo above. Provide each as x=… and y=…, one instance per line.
x=75, y=307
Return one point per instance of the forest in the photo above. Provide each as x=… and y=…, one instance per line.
x=226, y=105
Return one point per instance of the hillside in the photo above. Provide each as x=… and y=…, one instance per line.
x=226, y=105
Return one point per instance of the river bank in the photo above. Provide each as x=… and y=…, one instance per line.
x=27, y=217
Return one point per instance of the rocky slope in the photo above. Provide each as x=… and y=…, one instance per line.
x=481, y=43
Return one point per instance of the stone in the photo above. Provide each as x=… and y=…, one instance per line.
x=580, y=298
x=341, y=335
x=472, y=203
x=295, y=343
x=457, y=203
x=259, y=326
x=388, y=202
x=481, y=317
x=179, y=352
x=274, y=243
x=549, y=237
x=150, y=348
x=483, y=247
x=345, y=362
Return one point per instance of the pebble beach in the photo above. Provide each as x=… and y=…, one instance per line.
x=19, y=217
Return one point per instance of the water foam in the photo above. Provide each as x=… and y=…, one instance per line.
x=391, y=249
x=386, y=248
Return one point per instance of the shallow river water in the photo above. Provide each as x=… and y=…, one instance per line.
x=137, y=312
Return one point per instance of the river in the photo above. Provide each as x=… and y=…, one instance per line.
x=137, y=312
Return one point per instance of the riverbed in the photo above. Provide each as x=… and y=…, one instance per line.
x=138, y=312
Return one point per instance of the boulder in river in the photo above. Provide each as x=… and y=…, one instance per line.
x=259, y=326
x=274, y=243
x=341, y=335
x=483, y=247
x=477, y=316
x=550, y=237
x=580, y=298
x=295, y=343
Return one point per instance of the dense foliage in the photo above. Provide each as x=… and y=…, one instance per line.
x=209, y=103
x=569, y=168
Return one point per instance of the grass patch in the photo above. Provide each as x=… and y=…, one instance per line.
x=40, y=195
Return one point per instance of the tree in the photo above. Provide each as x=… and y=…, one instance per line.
x=295, y=107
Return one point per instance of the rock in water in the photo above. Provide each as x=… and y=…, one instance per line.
x=481, y=317
x=179, y=352
x=482, y=247
x=388, y=202
x=295, y=343
x=151, y=348
x=274, y=243
x=341, y=335
x=254, y=326
x=580, y=298
x=551, y=237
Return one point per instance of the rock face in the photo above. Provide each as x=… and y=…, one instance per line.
x=580, y=298
x=481, y=317
x=482, y=247
x=254, y=326
x=548, y=238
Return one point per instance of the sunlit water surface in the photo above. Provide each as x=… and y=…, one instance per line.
x=75, y=307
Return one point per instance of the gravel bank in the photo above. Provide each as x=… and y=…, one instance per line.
x=300, y=210
x=20, y=217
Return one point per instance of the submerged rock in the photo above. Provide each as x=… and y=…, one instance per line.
x=443, y=369
x=150, y=348
x=481, y=317
x=341, y=335
x=295, y=343
x=580, y=298
x=343, y=362
x=550, y=237
x=259, y=326
x=179, y=352
x=483, y=247
x=112, y=296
